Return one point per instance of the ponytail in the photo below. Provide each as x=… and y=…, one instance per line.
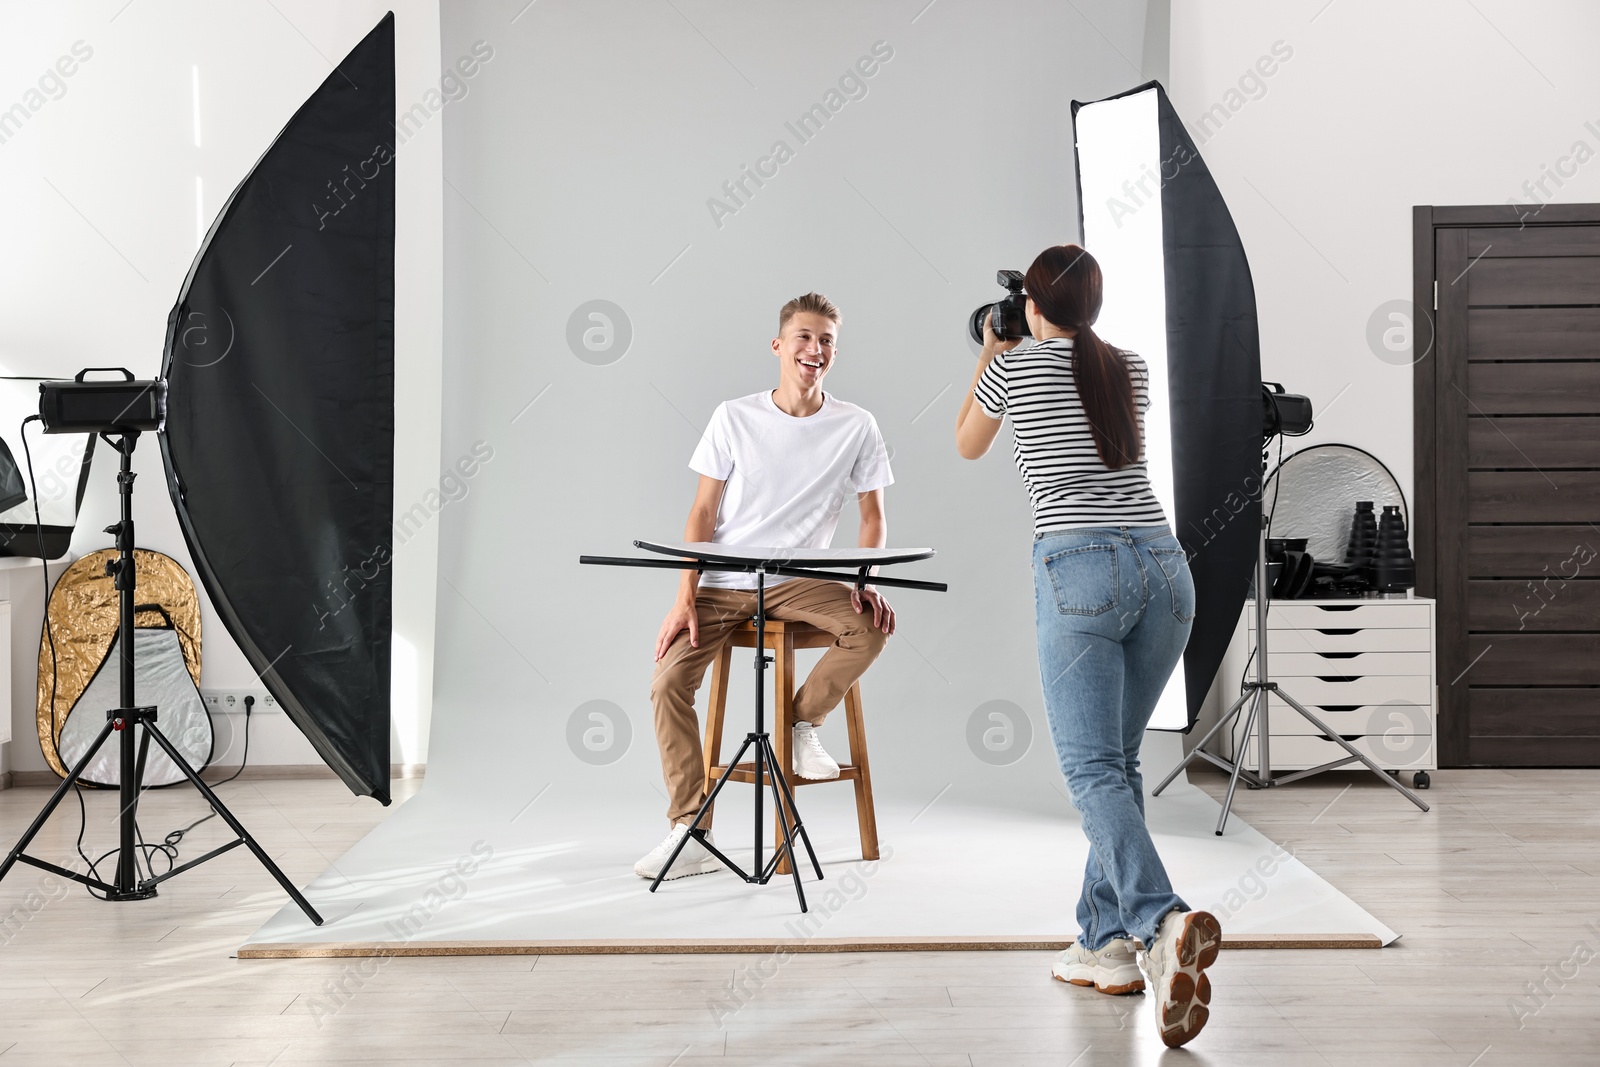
x=1065, y=285
x=1105, y=385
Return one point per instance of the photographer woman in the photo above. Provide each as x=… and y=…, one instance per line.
x=1114, y=603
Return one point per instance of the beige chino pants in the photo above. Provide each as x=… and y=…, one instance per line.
x=823, y=604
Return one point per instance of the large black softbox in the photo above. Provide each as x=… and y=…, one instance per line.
x=279, y=441
x=1178, y=291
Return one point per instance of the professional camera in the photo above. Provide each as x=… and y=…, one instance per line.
x=1006, y=316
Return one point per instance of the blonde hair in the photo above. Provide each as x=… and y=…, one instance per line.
x=811, y=303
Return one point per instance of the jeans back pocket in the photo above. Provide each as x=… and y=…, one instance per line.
x=1173, y=565
x=1083, y=579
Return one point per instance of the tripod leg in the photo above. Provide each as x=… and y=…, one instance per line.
x=227, y=816
x=138, y=767
x=799, y=827
x=786, y=848
x=1329, y=731
x=1227, y=716
x=705, y=807
x=131, y=813
x=1238, y=760
x=55, y=798
x=762, y=767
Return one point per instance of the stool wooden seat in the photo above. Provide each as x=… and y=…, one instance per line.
x=782, y=638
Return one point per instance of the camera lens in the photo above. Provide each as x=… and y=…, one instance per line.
x=975, y=324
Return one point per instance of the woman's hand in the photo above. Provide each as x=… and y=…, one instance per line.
x=975, y=430
x=993, y=344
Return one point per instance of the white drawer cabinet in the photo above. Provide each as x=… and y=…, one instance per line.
x=1342, y=665
x=1365, y=667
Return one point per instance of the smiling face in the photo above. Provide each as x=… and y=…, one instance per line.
x=806, y=349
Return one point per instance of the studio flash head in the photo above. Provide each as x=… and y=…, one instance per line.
x=1285, y=413
x=1005, y=315
x=81, y=406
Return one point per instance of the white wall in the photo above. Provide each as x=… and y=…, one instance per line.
x=1380, y=106
x=100, y=182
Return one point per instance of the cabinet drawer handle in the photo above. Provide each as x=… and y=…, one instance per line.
x=1339, y=677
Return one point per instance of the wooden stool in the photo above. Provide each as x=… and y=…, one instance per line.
x=783, y=638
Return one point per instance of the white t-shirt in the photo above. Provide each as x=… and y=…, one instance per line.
x=787, y=476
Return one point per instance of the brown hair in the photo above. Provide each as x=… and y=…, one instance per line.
x=1065, y=285
x=811, y=303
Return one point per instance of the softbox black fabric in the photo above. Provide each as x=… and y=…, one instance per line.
x=1214, y=383
x=57, y=478
x=279, y=442
x=13, y=490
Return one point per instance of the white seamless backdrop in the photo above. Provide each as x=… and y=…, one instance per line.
x=599, y=304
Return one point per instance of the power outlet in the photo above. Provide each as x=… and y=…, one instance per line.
x=231, y=701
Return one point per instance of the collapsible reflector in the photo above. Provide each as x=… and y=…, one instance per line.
x=79, y=674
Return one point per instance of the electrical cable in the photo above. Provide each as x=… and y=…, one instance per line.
x=249, y=703
x=168, y=847
x=50, y=639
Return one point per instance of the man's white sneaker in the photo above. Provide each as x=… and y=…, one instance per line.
x=1114, y=969
x=1185, y=944
x=810, y=759
x=694, y=859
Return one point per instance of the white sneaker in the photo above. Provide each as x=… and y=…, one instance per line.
x=694, y=859
x=810, y=760
x=1114, y=969
x=1185, y=945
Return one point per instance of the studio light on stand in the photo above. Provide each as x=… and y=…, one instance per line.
x=1283, y=415
x=274, y=410
x=118, y=412
x=1178, y=292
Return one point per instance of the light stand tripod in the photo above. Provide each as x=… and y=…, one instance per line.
x=765, y=766
x=1257, y=693
x=127, y=720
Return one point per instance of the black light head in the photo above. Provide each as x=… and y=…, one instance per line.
x=81, y=406
x=1285, y=413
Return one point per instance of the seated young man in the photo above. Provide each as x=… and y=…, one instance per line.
x=775, y=468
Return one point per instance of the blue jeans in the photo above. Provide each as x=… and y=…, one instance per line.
x=1114, y=607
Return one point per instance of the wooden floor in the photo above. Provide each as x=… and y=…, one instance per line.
x=1495, y=891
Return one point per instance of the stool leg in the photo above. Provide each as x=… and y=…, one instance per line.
x=783, y=734
x=858, y=755
x=712, y=754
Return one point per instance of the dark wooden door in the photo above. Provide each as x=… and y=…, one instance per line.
x=1514, y=482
